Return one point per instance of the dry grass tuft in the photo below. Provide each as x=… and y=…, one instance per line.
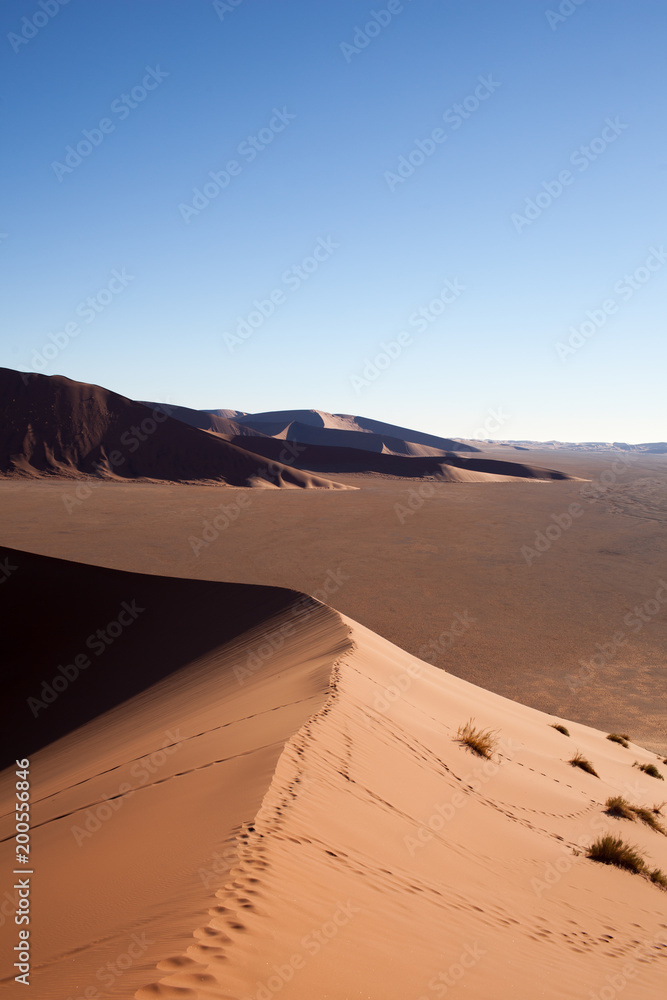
x=650, y=769
x=614, y=851
x=580, y=761
x=480, y=741
x=561, y=729
x=619, y=738
x=620, y=807
x=659, y=878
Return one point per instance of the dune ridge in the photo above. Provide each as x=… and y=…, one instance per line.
x=394, y=862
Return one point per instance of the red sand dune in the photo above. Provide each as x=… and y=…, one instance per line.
x=54, y=426
x=289, y=813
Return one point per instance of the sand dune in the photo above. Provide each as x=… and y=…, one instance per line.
x=278, y=423
x=54, y=426
x=447, y=467
x=205, y=420
x=289, y=814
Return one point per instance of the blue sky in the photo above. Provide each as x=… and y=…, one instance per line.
x=316, y=104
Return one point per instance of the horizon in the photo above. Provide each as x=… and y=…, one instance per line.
x=423, y=213
x=492, y=419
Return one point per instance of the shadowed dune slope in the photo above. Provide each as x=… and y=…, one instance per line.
x=291, y=814
x=54, y=426
x=130, y=629
x=447, y=467
x=205, y=420
x=134, y=814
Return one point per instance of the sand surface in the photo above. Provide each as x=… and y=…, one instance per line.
x=290, y=814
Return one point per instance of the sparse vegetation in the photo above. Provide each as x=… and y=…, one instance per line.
x=659, y=878
x=614, y=851
x=648, y=816
x=480, y=741
x=619, y=738
x=580, y=761
x=620, y=807
x=561, y=729
x=650, y=769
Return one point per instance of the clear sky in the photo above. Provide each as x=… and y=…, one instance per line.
x=174, y=168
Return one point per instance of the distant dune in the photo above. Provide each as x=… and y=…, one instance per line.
x=446, y=467
x=277, y=422
x=320, y=442
x=285, y=810
x=54, y=426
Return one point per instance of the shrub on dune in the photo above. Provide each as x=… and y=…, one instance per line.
x=614, y=851
x=621, y=808
x=659, y=878
x=618, y=806
x=649, y=769
x=480, y=741
x=561, y=729
x=580, y=761
x=619, y=738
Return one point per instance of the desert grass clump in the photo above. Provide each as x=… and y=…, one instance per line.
x=648, y=816
x=618, y=806
x=614, y=851
x=619, y=738
x=659, y=878
x=480, y=741
x=621, y=808
x=650, y=769
x=561, y=729
x=580, y=761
